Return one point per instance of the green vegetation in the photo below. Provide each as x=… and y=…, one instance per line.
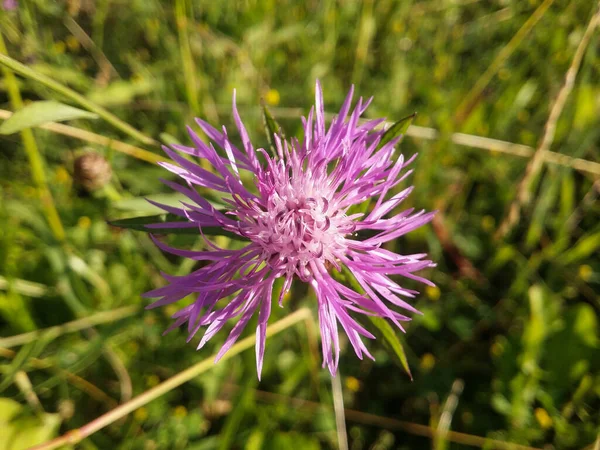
x=508, y=346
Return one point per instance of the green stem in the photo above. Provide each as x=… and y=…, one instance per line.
x=69, y=327
x=27, y=72
x=187, y=59
x=24, y=287
x=77, y=435
x=338, y=406
x=88, y=136
x=366, y=33
x=36, y=161
x=470, y=99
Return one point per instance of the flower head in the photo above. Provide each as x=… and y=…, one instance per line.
x=295, y=218
x=10, y=5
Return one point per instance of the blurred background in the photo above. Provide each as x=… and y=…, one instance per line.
x=507, y=348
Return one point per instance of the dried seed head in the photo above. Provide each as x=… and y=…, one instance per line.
x=91, y=171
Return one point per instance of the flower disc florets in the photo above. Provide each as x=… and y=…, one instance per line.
x=296, y=222
x=300, y=222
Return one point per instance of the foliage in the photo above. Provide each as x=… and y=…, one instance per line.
x=515, y=318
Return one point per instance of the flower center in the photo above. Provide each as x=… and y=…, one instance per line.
x=296, y=229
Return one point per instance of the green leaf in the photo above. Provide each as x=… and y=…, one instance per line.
x=271, y=128
x=169, y=139
x=19, y=431
x=391, y=339
x=8, y=409
x=243, y=405
x=120, y=92
x=29, y=431
x=539, y=219
x=38, y=113
x=585, y=325
x=17, y=364
x=397, y=129
x=385, y=331
x=584, y=248
x=256, y=440
x=143, y=206
x=139, y=224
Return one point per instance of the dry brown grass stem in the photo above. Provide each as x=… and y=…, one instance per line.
x=534, y=166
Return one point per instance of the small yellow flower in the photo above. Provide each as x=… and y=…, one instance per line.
x=523, y=116
x=487, y=223
x=72, y=43
x=170, y=310
x=152, y=380
x=585, y=272
x=59, y=47
x=84, y=222
x=497, y=349
x=140, y=414
x=62, y=175
x=504, y=74
x=137, y=77
x=352, y=384
x=180, y=411
x=543, y=418
x=273, y=97
x=397, y=26
x=427, y=362
x=433, y=292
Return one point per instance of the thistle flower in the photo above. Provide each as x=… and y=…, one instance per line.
x=10, y=5
x=296, y=222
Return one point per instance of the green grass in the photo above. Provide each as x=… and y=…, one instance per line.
x=515, y=316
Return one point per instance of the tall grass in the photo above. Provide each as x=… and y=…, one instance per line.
x=506, y=352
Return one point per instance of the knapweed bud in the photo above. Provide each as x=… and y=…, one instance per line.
x=91, y=171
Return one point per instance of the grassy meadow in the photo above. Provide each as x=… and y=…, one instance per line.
x=507, y=352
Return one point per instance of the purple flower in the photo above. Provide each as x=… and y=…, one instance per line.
x=295, y=220
x=10, y=5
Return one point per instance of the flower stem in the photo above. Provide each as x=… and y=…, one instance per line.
x=340, y=416
x=77, y=435
x=36, y=160
x=27, y=72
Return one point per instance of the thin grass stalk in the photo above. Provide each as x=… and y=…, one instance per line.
x=36, y=160
x=88, y=136
x=443, y=427
x=77, y=435
x=469, y=100
x=535, y=164
x=187, y=58
x=80, y=383
x=414, y=131
x=31, y=74
x=387, y=423
x=366, y=32
x=69, y=327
